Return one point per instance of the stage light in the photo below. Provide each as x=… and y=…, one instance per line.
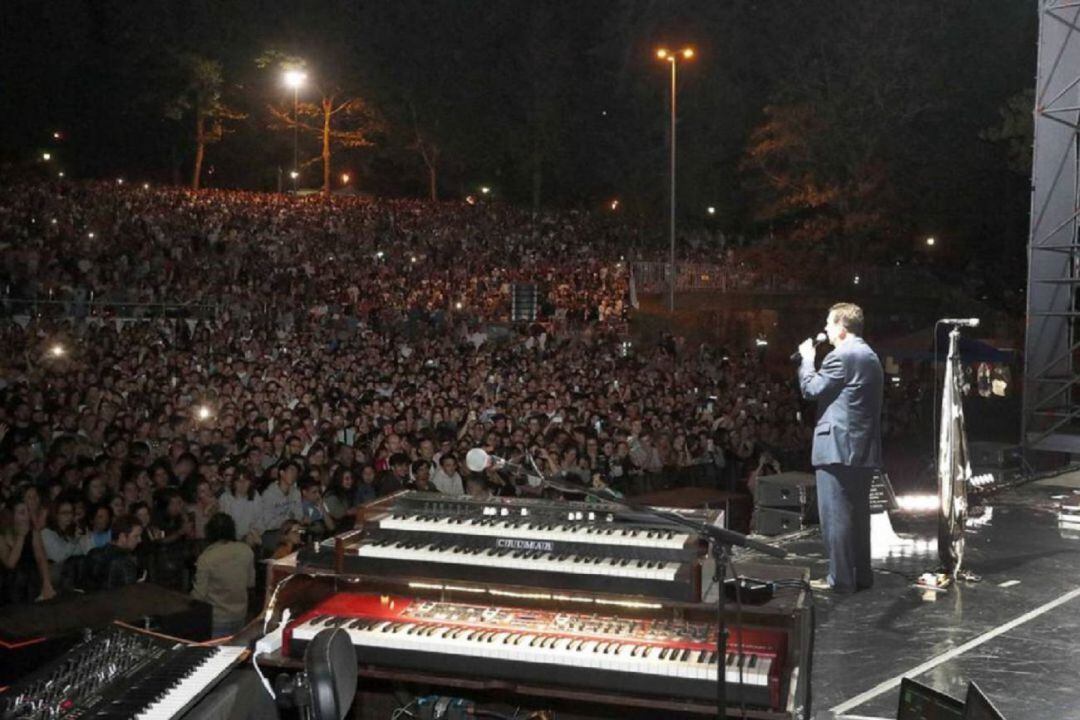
x=293, y=174
x=46, y=156
x=344, y=178
x=203, y=412
x=60, y=174
x=53, y=221
x=614, y=204
x=485, y=189
x=57, y=350
x=711, y=210
x=457, y=305
x=57, y=135
x=856, y=280
x=412, y=259
x=119, y=181
x=146, y=186
x=930, y=241
x=90, y=235
x=380, y=255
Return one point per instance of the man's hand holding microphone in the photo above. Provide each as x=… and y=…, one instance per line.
x=808, y=349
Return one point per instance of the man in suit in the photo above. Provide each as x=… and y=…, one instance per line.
x=847, y=443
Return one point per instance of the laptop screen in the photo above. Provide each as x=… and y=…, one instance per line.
x=919, y=702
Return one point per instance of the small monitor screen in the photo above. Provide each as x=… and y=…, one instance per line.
x=919, y=702
x=978, y=706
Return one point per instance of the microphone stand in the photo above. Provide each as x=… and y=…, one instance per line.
x=720, y=541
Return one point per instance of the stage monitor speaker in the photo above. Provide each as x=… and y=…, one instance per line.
x=786, y=490
x=775, y=521
x=523, y=302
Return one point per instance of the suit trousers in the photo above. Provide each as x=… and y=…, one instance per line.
x=843, y=495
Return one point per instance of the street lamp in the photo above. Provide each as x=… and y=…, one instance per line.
x=673, y=58
x=294, y=79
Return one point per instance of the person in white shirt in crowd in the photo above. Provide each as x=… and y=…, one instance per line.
x=241, y=502
x=447, y=479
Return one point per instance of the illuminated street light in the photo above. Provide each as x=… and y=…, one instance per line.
x=119, y=181
x=57, y=135
x=60, y=174
x=146, y=186
x=930, y=241
x=673, y=57
x=46, y=157
x=90, y=235
x=485, y=189
x=294, y=79
x=711, y=210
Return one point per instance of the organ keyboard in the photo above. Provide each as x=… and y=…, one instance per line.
x=119, y=674
x=592, y=547
x=625, y=654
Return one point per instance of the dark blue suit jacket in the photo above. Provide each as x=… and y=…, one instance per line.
x=848, y=390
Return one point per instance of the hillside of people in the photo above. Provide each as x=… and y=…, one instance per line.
x=171, y=355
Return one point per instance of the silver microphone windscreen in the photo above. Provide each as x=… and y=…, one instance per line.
x=820, y=338
x=477, y=459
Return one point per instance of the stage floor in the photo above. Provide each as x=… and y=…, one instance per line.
x=1016, y=632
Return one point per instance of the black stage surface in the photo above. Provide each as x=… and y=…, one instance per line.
x=1014, y=632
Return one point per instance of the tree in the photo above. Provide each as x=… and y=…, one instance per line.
x=1015, y=130
x=335, y=121
x=338, y=119
x=201, y=97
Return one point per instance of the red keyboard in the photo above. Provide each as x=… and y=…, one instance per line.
x=625, y=654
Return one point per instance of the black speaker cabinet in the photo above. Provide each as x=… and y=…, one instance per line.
x=786, y=490
x=774, y=521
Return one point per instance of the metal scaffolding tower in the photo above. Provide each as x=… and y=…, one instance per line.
x=1051, y=379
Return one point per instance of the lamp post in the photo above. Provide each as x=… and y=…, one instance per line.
x=294, y=79
x=673, y=58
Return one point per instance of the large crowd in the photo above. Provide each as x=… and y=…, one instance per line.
x=354, y=347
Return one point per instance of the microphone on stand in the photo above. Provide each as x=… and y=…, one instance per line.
x=821, y=337
x=961, y=322
x=479, y=460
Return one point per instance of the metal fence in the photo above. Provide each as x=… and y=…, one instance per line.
x=81, y=309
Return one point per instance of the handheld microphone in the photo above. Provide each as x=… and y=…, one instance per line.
x=821, y=337
x=479, y=460
x=962, y=322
